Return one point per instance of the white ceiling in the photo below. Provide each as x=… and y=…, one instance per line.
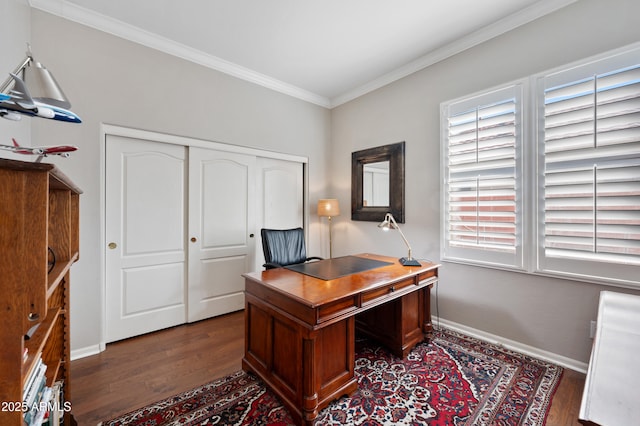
x=323, y=51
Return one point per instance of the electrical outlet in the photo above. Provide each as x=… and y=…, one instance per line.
x=592, y=332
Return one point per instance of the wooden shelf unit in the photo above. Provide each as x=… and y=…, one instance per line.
x=39, y=210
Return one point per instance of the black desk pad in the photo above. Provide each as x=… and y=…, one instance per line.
x=330, y=269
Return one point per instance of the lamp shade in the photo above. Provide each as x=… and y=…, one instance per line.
x=43, y=87
x=328, y=207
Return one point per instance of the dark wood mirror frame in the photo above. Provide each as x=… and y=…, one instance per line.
x=393, y=153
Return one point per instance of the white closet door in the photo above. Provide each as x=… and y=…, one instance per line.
x=280, y=198
x=145, y=226
x=221, y=230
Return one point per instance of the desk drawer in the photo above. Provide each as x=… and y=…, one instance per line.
x=386, y=291
x=336, y=308
x=428, y=275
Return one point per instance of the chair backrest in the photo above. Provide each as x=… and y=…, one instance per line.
x=283, y=246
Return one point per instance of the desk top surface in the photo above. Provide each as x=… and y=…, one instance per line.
x=331, y=269
x=314, y=291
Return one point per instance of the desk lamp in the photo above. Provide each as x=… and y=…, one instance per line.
x=327, y=208
x=390, y=223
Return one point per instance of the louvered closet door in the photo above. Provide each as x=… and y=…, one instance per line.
x=145, y=226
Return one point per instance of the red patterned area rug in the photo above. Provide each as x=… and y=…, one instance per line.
x=453, y=380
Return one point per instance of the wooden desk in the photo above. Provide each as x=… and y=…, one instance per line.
x=300, y=330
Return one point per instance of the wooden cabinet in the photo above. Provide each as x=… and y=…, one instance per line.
x=39, y=241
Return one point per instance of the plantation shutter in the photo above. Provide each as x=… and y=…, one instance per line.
x=591, y=176
x=482, y=171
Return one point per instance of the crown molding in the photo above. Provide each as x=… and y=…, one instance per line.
x=75, y=13
x=505, y=25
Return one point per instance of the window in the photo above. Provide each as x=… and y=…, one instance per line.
x=583, y=182
x=589, y=138
x=482, y=169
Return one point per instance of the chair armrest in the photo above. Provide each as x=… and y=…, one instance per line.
x=271, y=265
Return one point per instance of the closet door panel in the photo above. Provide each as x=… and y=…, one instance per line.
x=280, y=198
x=221, y=230
x=145, y=235
x=223, y=201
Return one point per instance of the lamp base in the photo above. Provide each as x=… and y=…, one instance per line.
x=409, y=262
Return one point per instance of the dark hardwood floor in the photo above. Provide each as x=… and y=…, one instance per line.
x=136, y=372
x=139, y=371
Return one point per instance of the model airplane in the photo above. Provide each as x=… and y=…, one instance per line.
x=19, y=102
x=42, y=151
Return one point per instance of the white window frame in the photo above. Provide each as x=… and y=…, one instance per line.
x=530, y=255
x=513, y=259
x=575, y=265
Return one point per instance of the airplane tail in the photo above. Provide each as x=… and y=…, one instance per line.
x=15, y=143
x=21, y=93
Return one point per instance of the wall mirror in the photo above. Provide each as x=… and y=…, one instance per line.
x=377, y=183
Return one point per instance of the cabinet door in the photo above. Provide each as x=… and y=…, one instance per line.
x=221, y=230
x=145, y=226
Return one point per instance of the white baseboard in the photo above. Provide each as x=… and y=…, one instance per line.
x=515, y=346
x=86, y=351
x=469, y=331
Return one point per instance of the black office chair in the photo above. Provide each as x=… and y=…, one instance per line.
x=284, y=247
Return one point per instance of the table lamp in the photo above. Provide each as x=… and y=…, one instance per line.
x=390, y=223
x=328, y=207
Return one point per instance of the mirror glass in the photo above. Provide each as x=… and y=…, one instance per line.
x=375, y=191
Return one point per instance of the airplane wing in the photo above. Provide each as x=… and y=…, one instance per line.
x=17, y=148
x=22, y=150
x=9, y=115
x=5, y=112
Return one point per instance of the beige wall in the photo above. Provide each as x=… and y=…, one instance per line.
x=550, y=314
x=14, y=36
x=113, y=81
x=110, y=80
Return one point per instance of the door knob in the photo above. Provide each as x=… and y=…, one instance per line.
x=112, y=245
x=194, y=239
x=250, y=235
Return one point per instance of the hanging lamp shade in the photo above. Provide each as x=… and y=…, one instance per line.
x=43, y=86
